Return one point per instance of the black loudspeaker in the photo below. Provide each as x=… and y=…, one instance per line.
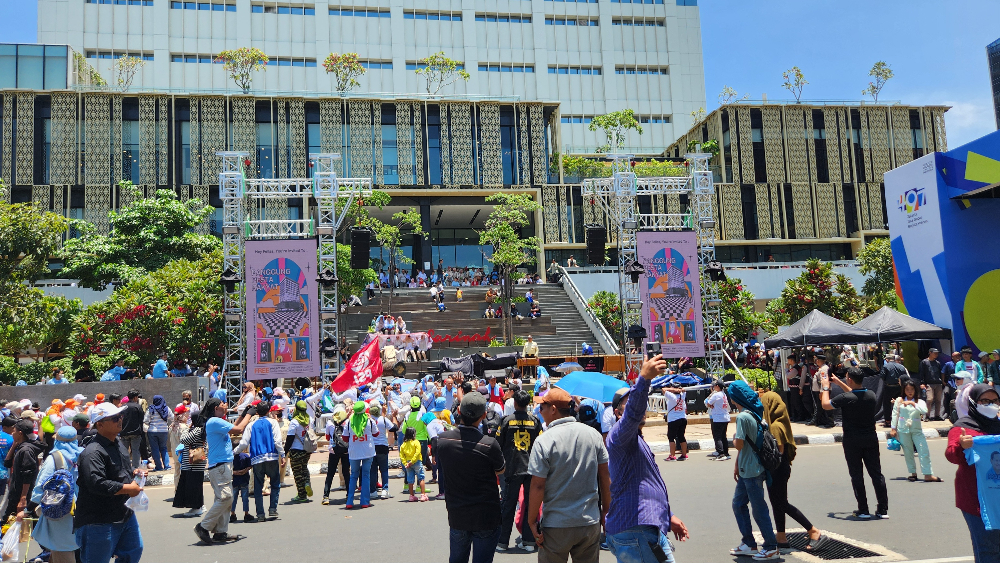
x=361, y=241
x=597, y=237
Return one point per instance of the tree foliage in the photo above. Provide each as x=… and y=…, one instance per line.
x=615, y=126
x=875, y=262
x=440, y=71
x=607, y=308
x=126, y=68
x=242, y=63
x=86, y=75
x=794, y=82
x=818, y=287
x=388, y=234
x=28, y=237
x=345, y=69
x=881, y=72
x=729, y=95
x=177, y=308
x=145, y=235
x=737, y=309
x=352, y=282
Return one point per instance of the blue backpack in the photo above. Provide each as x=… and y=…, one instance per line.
x=57, y=492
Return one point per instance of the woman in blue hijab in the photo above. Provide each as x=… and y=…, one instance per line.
x=56, y=534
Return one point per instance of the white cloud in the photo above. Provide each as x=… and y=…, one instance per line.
x=968, y=120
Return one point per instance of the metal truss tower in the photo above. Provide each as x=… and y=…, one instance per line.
x=242, y=220
x=618, y=198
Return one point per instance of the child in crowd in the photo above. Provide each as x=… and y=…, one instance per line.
x=676, y=422
x=409, y=455
x=241, y=484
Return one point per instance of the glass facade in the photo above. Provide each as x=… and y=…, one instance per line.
x=35, y=67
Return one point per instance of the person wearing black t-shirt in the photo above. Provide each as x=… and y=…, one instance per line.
x=861, y=448
x=516, y=435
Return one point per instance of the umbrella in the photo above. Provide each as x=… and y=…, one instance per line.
x=591, y=385
x=567, y=367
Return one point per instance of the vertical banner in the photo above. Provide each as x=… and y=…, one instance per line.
x=282, y=309
x=671, y=292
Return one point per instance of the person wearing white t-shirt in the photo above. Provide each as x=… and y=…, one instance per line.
x=362, y=431
x=676, y=422
x=718, y=405
x=381, y=463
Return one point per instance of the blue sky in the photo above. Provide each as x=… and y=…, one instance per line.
x=937, y=49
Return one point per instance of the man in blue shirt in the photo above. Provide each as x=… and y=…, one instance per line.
x=160, y=368
x=57, y=377
x=214, y=527
x=6, y=441
x=116, y=371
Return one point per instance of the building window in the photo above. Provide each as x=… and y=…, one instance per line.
x=118, y=55
x=819, y=141
x=622, y=69
x=291, y=61
x=442, y=16
x=123, y=2
x=360, y=12
x=204, y=6
x=503, y=18
x=282, y=8
x=647, y=22
x=576, y=118
x=570, y=20
x=377, y=65
x=679, y=2
x=506, y=67
x=574, y=69
x=577, y=1
x=654, y=118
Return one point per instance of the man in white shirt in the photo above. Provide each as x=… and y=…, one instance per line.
x=530, y=348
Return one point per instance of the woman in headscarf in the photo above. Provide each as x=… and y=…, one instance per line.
x=56, y=534
x=298, y=428
x=360, y=451
x=158, y=419
x=189, y=492
x=776, y=416
x=984, y=404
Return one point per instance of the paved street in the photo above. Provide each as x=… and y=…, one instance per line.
x=924, y=523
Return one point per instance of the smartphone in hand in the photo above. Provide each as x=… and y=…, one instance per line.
x=653, y=349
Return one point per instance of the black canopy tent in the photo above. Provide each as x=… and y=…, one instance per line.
x=818, y=328
x=890, y=325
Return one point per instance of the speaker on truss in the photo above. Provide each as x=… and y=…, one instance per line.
x=597, y=237
x=361, y=240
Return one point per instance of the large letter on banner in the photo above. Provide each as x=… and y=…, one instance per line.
x=282, y=308
x=364, y=367
x=671, y=292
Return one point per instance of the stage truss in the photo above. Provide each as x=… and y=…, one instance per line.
x=618, y=198
x=248, y=213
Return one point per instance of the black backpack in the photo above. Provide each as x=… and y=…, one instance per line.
x=767, y=451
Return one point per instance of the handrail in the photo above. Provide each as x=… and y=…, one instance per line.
x=601, y=333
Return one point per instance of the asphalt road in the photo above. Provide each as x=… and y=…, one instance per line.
x=924, y=523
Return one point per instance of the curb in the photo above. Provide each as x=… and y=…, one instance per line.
x=811, y=440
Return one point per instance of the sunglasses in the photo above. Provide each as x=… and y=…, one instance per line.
x=116, y=418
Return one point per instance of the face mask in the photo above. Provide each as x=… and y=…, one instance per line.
x=989, y=411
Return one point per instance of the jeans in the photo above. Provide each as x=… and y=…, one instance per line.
x=244, y=492
x=509, y=509
x=751, y=491
x=132, y=444
x=360, y=478
x=635, y=545
x=481, y=544
x=331, y=469
x=917, y=441
x=270, y=470
x=158, y=443
x=865, y=452
x=216, y=519
x=985, y=543
x=415, y=474
x=381, y=463
x=100, y=542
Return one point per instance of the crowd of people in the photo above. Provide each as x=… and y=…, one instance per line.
x=444, y=277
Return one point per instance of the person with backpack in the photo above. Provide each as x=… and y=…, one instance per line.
x=362, y=431
x=758, y=453
x=338, y=449
x=263, y=442
x=55, y=491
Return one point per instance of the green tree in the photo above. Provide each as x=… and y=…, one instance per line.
x=615, y=126
x=126, y=68
x=729, y=95
x=352, y=282
x=737, y=309
x=607, y=308
x=881, y=72
x=579, y=167
x=86, y=74
x=794, y=82
x=390, y=235
x=145, y=235
x=818, y=287
x=510, y=248
x=177, y=308
x=345, y=69
x=440, y=71
x=875, y=262
x=242, y=63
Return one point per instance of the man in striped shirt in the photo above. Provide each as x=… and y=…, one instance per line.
x=640, y=517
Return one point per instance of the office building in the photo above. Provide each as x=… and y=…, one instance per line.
x=993, y=56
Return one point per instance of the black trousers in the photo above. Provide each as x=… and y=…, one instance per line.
x=331, y=469
x=862, y=454
x=796, y=408
x=509, y=509
x=819, y=416
x=889, y=394
x=719, y=435
x=777, y=491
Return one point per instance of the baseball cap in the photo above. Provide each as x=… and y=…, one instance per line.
x=983, y=355
x=81, y=418
x=619, y=396
x=80, y=398
x=439, y=405
x=587, y=413
x=556, y=397
x=25, y=426
x=414, y=403
x=932, y=350
x=962, y=375
x=473, y=405
x=104, y=410
x=180, y=409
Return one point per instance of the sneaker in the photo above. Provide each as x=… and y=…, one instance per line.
x=682, y=458
x=423, y=498
x=271, y=513
x=309, y=490
x=233, y=519
x=413, y=498
x=862, y=515
x=714, y=454
x=882, y=514
x=764, y=555
x=671, y=458
x=366, y=506
x=439, y=496
x=723, y=458
x=528, y=547
x=202, y=534
x=348, y=507
x=326, y=501
x=501, y=548
x=195, y=512
x=743, y=549
x=261, y=518
x=299, y=499
x=432, y=481
x=220, y=538
x=247, y=518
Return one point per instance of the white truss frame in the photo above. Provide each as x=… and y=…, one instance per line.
x=332, y=196
x=618, y=198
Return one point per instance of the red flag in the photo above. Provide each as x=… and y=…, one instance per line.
x=364, y=367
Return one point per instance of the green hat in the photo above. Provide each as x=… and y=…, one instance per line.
x=414, y=403
x=359, y=407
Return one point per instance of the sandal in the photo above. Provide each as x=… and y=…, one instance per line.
x=817, y=544
x=933, y=479
x=912, y=478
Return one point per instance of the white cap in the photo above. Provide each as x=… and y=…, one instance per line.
x=963, y=375
x=104, y=410
x=80, y=398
